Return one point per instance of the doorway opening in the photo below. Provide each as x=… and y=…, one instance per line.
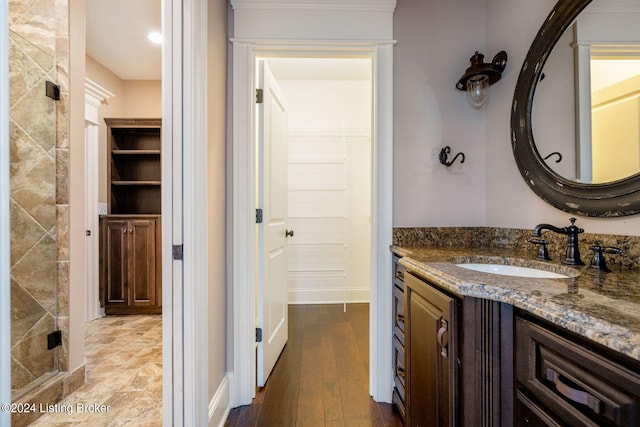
x=244, y=230
x=317, y=217
x=123, y=91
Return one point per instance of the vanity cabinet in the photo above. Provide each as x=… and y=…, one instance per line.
x=453, y=356
x=431, y=355
x=563, y=380
x=130, y=264
x=398, y=339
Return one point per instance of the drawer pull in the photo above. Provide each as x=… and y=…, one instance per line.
x=444, y=327
x=399, y=318
x=400, y=275
x=573, y=394
x=400, y=372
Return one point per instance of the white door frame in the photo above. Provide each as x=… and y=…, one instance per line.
x=94, y=95
x=5, y=287
x=184, y=213
x=184, y=133
x=243, y=213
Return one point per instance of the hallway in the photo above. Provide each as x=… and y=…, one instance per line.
x=124, y=373
x=322, y=376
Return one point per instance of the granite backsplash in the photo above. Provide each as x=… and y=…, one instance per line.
x=517, y=240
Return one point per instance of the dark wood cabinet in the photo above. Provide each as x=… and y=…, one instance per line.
x=134, y=172
x=458, y=356
x=399, y=372
x=561, y=380
x=464, y=361
x=130, y=265
x=431, y=355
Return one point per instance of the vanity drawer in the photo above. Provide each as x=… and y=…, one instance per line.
x=574, y=383
x=399, y=404
x=398, y=313
x=399, y=372
x=398, y=272
x=529, y=414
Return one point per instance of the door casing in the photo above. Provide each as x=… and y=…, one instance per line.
x=243, y=234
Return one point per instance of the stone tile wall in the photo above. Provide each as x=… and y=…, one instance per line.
x=38, y=51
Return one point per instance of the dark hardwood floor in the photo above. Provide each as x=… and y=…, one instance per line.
x=322, y=376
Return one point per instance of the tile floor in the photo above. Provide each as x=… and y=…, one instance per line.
x=124, y=373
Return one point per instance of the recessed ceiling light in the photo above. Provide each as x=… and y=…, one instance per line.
x=155, y=37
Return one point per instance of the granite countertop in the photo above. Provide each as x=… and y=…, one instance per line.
x=603, y=307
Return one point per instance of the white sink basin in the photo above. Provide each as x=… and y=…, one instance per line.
x=513, y=270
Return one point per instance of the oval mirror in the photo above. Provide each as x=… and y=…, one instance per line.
x=589, y=166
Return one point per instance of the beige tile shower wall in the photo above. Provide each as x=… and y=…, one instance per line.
x=39, y=186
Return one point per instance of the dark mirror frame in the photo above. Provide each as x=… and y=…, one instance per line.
x=613, y=199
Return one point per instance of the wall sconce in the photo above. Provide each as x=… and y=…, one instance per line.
x=480, y=75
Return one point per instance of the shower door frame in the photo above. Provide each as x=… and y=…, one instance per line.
x=5, y=307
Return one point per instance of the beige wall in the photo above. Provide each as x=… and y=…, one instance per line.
x=435, y=40
x=216, y=129
x=132, y=98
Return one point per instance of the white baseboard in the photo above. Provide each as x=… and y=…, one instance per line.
x=328, y=296
x=220, y=405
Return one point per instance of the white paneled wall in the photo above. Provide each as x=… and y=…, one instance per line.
x=329, y=190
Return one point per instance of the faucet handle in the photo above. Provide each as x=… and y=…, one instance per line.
x=612, y=250
x=543, y=253
x=598, y=262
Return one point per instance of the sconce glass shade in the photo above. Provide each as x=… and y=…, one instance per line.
x=480, y=75
x=477, y=90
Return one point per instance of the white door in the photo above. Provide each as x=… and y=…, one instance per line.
x=272, y=315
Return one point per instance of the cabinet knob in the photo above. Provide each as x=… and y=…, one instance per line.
x=124, y=231
x=288, y=233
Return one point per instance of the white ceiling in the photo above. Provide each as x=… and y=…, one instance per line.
x=117, y=37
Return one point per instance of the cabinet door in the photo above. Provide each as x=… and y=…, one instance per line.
x=431, y=355
x=142, y=262
x=115, y=258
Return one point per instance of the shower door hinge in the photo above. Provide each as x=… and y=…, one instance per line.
x=259, y=96
x=258, y=216
x=177, y=252
x=53, y=91
x=258, y=334
x=54, y=339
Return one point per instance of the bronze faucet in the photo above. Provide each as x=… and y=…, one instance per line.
x=572, y=231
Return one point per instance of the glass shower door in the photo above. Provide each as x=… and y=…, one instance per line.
x=34, y=231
